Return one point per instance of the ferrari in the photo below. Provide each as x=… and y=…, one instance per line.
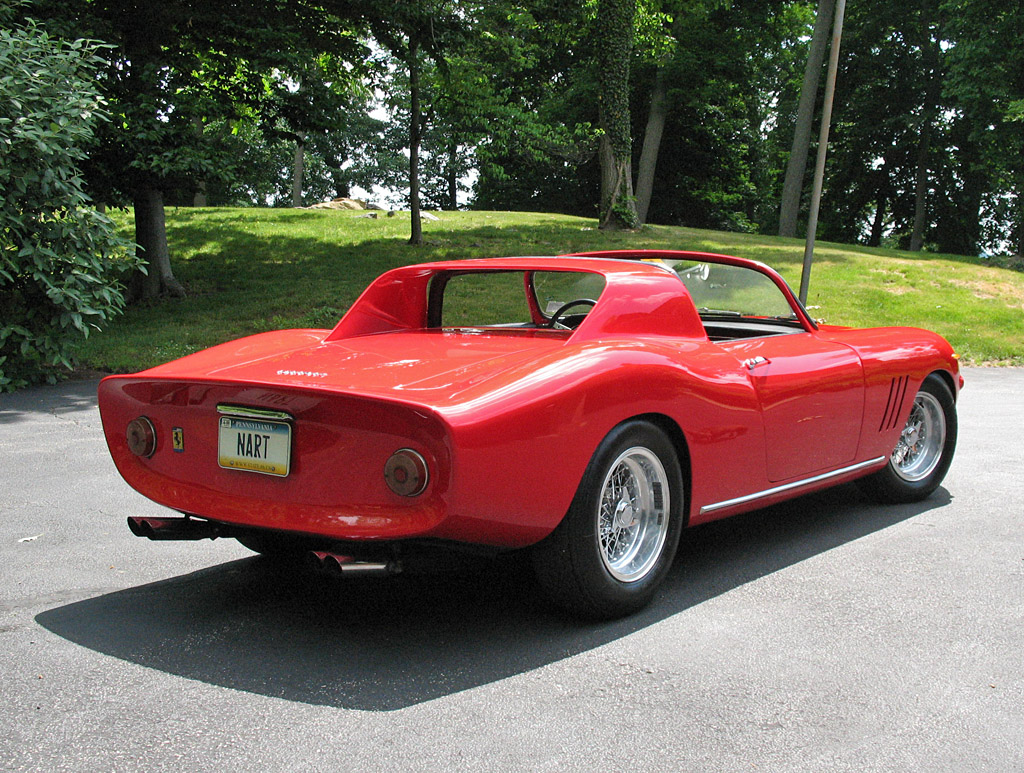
x=584, y=408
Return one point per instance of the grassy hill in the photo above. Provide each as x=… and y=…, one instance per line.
x=250, y=270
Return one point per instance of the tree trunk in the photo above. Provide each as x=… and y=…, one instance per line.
x=452, y=177
x=416, y=236
x=151, y=236
x=875, y=239
x=298, y=167
x=796, y=166
x=921, y=187
x=652, y=141
x=614, y=30
x=1020, y=219
x=618, y=205
x=932, y=96
x=143, y=53
x=958, y=221
x=607, y=163
x=199, y=195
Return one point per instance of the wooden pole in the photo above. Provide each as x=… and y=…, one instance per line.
x=796, y=165
x=819, y=167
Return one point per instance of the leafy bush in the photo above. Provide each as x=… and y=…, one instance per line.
x=60, y=260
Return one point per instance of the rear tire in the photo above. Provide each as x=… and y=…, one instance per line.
x=924, y=451
x=617, y=541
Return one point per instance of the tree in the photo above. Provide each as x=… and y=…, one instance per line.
x=614, y=38
x=652, y=144
x=60, y=260
x=177, y=65
x=540, y=143
x=985, y=80
x=885, y=125
x=731, y=75
x=413, y=30
x=931, y=52
x=656, y=42
x=305, y=105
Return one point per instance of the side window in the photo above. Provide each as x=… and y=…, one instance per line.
x=554, y=289
x=484, y=299
x=489, y=299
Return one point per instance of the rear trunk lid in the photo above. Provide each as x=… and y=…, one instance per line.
x=432, y=366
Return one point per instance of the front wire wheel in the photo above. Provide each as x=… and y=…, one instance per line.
x=617, y=541
x=923, y=451
x=919, y=449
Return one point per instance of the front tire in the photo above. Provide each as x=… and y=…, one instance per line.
x=617, y=541
x=924, y=451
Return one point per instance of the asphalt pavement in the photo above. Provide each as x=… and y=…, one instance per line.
x=825, y=634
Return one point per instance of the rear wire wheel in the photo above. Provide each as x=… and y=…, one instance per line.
x=632, y=521
x=617, y=541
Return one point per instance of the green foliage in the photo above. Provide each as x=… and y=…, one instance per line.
x=180, y=73
x=613, y=30
x=541, y=143
x=624, y=209
x=733, y=78
x=927, y=99
x=213, y=96
x=60, y=259
x=179, y=70
x=984, y=78
x=733, y=72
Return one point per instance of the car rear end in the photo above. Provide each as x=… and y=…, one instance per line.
x=296, y=459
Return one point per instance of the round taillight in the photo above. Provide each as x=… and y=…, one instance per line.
x=141, y=437
x=406, y=473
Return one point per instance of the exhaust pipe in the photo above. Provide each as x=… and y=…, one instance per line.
x=191, y=529
x=173, y=528
x=337, y=565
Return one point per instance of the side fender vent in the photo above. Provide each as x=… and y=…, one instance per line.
x=897, y=393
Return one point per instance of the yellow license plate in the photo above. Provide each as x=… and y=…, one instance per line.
x=254, y=445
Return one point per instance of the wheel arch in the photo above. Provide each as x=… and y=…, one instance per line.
x=947, y=379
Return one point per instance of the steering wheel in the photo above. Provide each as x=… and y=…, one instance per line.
x=565, y=307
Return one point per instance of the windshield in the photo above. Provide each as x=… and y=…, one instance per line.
x=723, y=290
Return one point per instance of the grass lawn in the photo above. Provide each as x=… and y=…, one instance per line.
x=250, y=270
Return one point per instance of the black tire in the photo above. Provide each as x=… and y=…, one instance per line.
x=925, y=449
x=597, y=565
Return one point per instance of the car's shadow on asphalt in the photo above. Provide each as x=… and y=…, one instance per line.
x=387, y=643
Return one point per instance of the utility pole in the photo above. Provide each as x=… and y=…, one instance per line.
x=819, y=167
x=793, y=185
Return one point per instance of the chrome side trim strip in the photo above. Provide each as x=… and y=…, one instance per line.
x=253, y=413
x=789, y=486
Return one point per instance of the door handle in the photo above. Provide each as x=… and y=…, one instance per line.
x=753, y=362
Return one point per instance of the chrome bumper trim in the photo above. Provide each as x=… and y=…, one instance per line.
x=243, y=412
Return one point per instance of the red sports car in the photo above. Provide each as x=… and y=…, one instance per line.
x=587, y=408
